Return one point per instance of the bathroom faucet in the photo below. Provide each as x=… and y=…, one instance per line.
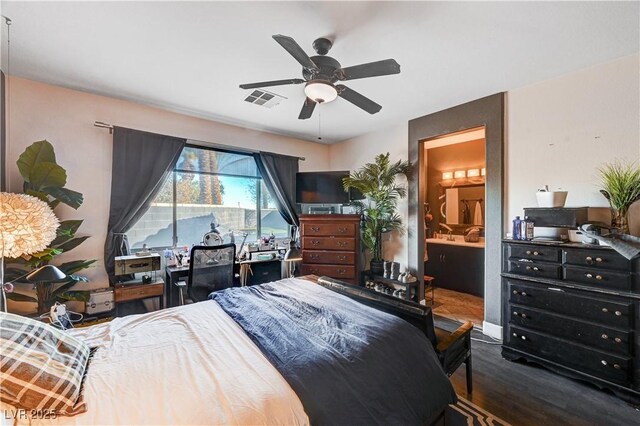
x=450, y=236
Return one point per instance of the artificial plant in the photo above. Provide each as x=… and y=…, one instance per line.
x=621, y=187
x=377, y=181
x=45, y=179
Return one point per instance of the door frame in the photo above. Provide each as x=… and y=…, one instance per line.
x=490, y=113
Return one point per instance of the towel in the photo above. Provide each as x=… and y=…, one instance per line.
x=477, y=214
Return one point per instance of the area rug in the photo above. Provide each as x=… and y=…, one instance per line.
x=466, y=413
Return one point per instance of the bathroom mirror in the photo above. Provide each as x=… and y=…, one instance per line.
x=463, y=205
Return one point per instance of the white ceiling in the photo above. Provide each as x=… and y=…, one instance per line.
x=191, y=56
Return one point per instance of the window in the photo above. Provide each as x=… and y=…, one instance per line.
x=209, y=188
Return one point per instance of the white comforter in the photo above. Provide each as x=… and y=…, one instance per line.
x=187, y=365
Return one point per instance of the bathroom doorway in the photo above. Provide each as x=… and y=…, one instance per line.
x=487, y=112
x=454, y=166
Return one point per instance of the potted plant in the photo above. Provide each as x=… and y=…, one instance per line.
x=621, y=187
x=377, y=181
x=46, y=180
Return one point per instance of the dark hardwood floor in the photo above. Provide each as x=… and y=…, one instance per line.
x=524, y=394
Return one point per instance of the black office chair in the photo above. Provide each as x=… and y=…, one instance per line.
x=211, y=268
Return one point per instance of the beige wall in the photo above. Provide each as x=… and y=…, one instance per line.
x=65, y=117
x=590, y=117
x=356, y=152
x=560, y=131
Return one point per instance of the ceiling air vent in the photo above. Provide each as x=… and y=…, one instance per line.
x=265, y=99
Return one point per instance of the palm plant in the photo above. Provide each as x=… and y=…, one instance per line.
x=377, y=181
x=621, y=187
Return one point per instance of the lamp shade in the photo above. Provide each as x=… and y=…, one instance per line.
x=320, y=91
x=293, y=255
x=46, y=273
x=27, y=225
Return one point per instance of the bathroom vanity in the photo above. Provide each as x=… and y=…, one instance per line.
x=456, y=265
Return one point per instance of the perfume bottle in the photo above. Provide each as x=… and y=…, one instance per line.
x=526, y=232
x=517, y=228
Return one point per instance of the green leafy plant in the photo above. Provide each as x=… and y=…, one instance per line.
x=45, y=179
x=621, y=187
x=377, y=181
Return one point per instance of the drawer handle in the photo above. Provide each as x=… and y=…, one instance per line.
x=522, y=315
x=314, y=271
x=534, y=268
x=589, y=260
x=604, y=336
x=315, y=229
x=618, y=313
x=342, y=257
x=522, y=337
x=617, y=340
x=535, y=253
x=315, y=242
x=521, y=294
x=341, y=271
x=342, y=243
x=342, y=230
x=315, y=256
x=605, y=310
x=616, y=366
x=598, y=277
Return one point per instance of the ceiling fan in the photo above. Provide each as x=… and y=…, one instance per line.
x=321, y=72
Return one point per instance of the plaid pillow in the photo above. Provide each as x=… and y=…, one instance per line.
x=42, y=368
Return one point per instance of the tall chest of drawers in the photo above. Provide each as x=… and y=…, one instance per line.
x=331, y=246
x=574, y=309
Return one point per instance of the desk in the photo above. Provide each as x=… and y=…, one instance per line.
x=136, y=291
x=173, y=274
x=253, y=272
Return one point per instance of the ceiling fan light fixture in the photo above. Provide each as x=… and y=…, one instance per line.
x=320, y=91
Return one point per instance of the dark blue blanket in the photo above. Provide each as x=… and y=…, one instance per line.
x=348, y=363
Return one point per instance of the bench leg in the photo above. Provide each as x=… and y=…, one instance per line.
x=469, y=375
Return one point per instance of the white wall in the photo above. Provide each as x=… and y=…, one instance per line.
x=354, y=153
x=590, y=117
x=560, y=131
x=65, y=118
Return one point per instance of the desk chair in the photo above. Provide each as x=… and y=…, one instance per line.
x=210, y=269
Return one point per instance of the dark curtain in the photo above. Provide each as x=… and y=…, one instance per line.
x=141, y=163
x=279, y=175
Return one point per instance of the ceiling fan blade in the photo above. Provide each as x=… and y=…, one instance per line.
x=296, y=51
x=272, y=83
x=307, y=109
x=372, y=69
x=357, y=99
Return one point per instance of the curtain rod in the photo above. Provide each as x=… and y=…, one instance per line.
x=110, y=127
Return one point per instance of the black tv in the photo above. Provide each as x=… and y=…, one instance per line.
x=323, y=188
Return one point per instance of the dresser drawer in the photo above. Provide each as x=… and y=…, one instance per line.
x=524, y=251
x=601, y=310
x=598, y=277
x=607, y=259
x=135, y=292
x=329, y=257
x=328, y=229
x=328, y=243
x=589, y=334
x=534, y=269
x=333, y=271
x=613, y=368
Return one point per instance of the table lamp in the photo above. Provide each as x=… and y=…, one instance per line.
x=27, y=226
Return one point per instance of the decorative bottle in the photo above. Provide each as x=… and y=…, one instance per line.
x=517, y=228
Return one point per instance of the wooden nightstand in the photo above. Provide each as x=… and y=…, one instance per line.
x=131, y=292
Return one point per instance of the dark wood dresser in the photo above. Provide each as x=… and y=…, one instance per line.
x=331, y=246
x=574, y=309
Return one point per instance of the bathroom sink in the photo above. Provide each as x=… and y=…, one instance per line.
x=458, y=240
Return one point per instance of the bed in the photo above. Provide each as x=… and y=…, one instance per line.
x=289, y=352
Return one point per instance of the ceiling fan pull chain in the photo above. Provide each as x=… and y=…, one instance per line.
x=319, y=123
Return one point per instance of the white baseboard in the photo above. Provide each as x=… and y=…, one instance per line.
x=492, y=330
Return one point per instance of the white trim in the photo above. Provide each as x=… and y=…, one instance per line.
x=492, y=330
